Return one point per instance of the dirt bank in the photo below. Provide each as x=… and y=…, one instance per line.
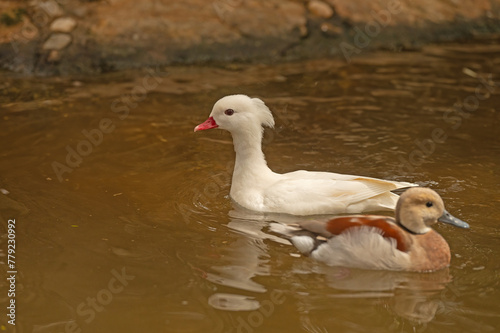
x=59, y=37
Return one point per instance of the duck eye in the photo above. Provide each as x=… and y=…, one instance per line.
x=429, y=204
x=229, y=112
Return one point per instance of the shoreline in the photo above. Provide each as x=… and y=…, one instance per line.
x=60, y=37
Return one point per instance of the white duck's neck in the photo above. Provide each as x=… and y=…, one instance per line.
x=250, y=162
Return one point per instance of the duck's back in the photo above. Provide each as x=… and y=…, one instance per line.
x=306, y=193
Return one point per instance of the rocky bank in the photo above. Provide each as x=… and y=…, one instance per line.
x=63, y=37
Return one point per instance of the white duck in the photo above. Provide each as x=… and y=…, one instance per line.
x=256, y=187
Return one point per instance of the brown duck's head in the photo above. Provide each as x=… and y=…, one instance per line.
x=418, y=208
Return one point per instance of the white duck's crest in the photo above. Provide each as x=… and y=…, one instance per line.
x=265, y=115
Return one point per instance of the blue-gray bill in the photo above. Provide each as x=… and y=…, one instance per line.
x=450, y=219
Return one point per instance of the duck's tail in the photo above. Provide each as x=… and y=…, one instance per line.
x=305, y=241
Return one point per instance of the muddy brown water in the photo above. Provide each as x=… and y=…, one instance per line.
x=124, y=224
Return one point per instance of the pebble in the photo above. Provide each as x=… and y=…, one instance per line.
x=54, y=56
x=57, y=41
x=303, y=31
x=50, y=7
x=80, y=12
x=331, y=30
x=320, y=9
x=63, y=24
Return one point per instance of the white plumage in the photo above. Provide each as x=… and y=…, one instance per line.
x=362, y=247
x=255, y=186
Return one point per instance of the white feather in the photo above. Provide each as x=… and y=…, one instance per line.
x=304, y=244
x=256, y=187
x=362, y=247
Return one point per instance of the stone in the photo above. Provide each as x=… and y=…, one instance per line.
x=50, y=7
x=80, y=12
x=57, y=41
x=331, y=30
x=54, y=56
x=320, y=9
x=63, y=24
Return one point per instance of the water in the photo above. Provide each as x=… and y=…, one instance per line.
x=136, y=232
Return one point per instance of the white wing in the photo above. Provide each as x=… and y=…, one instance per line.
x=304, y=193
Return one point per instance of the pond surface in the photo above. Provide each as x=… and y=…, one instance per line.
x=124, y=224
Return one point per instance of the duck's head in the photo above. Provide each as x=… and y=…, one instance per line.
x=418, y=208
x=238, y=112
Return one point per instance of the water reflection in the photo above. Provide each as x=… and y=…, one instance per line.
x=241, y=261
x=408, y=295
